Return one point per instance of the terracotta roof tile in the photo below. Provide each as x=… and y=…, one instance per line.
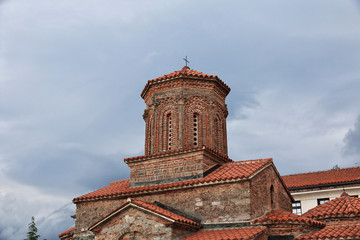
x=344, y=206
x=339, y=230
x=67, y=233
x=153, y=208
x=278, y=216
x=177, y=151
x=245, y=233
x=323, y=177
x=228, y=171
x=187, y=73
x=177, y=218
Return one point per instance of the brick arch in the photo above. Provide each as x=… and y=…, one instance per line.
x=161, y=131
x=133, y=236
x=200, y=107
x=218, y=131
x=149, y=133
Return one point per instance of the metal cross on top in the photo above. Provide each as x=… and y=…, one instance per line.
x=186, y=61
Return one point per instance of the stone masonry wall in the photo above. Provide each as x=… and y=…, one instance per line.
x=213, y=204
x=133, y=222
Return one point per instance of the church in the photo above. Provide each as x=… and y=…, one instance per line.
x=186, y=187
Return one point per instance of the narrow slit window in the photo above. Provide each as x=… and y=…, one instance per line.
x=195, y=129
x=169, y=132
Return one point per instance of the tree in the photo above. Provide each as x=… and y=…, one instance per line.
x=32, y=231
x=336, y=167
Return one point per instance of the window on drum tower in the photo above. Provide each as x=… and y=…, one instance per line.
x=218, y=132
x=195, y=128
x=169, y=132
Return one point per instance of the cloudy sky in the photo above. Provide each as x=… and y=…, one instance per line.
x=71, y=73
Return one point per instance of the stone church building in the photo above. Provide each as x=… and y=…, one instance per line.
x=186, y=186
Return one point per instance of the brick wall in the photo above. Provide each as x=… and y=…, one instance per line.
x=181, y=99
x=172, y=166
x=267, y=192
x=133, y=223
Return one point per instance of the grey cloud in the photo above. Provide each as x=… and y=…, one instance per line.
x=66, y=170
x=352, y=139
x=70, y=109
x=56, y=222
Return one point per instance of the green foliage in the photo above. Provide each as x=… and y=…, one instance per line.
x=336, y=167
x=32, y=231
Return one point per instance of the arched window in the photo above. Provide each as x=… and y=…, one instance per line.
x=195, y=129
x=217, y=137
x=132, y=236
x=272, y=196
x=149, y=136
x=218, y=134
x=169, y=132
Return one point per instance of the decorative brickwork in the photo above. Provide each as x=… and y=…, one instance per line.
x=184, y=110
x=195, y=102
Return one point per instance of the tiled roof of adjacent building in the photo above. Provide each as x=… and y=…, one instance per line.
x=152, y=208
x=245, y=233
x=278, y=216
x=67, y=233
x=322, y=178
x=231, y=171
x=344, y=206
x=185, y=72
x=336, y=230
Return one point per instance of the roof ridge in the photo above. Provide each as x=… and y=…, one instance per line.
x=342, y=223
x=177, y=151
x=188, y=73
x=148, y=207
x=119, y=181
x=341, y=169
x=341, y=206
x=165, y=212
x=67, y=232
x=243, y=170
x=277, y=215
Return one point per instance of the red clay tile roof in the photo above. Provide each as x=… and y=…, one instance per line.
x=245, y=233
x=241, y=170
x=67, y=233
x=152, y=208
x=323, y=177
x=187, y=73
x=177, y=218
x=278, y=216
x=338, y=230
x=344, y=206
x=177, y=151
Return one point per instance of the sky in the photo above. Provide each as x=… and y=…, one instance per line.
x=71, y=74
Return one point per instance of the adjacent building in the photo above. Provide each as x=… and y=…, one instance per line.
x=314, y=188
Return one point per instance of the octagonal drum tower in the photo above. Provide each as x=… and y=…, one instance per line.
x=185, y=114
